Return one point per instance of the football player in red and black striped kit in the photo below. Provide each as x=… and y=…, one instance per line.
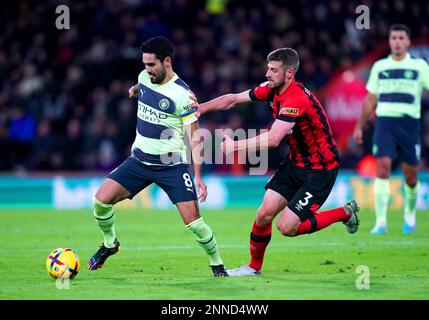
x=306, y=177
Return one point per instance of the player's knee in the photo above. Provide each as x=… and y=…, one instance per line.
x=383, y=174
x=411, y=181
x=286, y=229
x=266, y=213
x=263, y=217
x=383, y=171
x=102, y=197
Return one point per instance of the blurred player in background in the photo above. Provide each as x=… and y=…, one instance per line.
x=305, y=179
x=158, y=155
x=395, y=86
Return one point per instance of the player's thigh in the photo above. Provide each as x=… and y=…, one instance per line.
x=384, y=139
x=177, y=182
x=281, y=188
x=316, y=187
x=111, y=192
x=408, y=140
x=188, y=210
x=125, y=181
x=284, y=182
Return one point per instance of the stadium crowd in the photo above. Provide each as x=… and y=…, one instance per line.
x=63, y=93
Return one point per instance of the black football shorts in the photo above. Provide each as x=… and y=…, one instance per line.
x=305, y=190
x=175, y=180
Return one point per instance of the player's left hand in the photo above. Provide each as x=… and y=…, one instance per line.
x=358, y=134
x=227, y=146
x=201, y=189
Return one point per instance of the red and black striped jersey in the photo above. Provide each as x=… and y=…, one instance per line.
x=312, y=145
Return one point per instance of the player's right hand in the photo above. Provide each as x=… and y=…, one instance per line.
x=133, y=92
x=358, y=134
x=227, y=145
x=201, y=188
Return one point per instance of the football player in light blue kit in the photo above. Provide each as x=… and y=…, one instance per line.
x=395, y=88
x=158, y=155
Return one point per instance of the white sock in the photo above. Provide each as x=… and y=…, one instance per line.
x=410, y=202
x=381, y=197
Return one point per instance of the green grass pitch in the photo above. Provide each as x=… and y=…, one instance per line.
x=161, y=260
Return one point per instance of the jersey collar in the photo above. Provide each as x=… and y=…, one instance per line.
x=407, y=57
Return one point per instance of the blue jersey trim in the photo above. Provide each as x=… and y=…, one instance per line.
x=181, y=83
x=154, y=131
x=396, y=97
x=166, y=159
x=398, y=74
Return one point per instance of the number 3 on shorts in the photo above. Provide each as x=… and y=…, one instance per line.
x=308, y=196
x=187, y=179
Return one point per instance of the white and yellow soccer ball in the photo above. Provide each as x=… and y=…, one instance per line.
x=63, y=263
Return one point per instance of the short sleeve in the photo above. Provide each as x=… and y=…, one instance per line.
x=425, y=75
x=372, y=84
x=187, y=113
x=260, y=93
x=143, y=77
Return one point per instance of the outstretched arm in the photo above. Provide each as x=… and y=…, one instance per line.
x=224, y=102
x=269, y=139
x=368, y=107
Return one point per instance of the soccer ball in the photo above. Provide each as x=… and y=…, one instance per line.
x=63, y=263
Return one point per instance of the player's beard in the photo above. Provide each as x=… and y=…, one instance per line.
x=159, y=76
